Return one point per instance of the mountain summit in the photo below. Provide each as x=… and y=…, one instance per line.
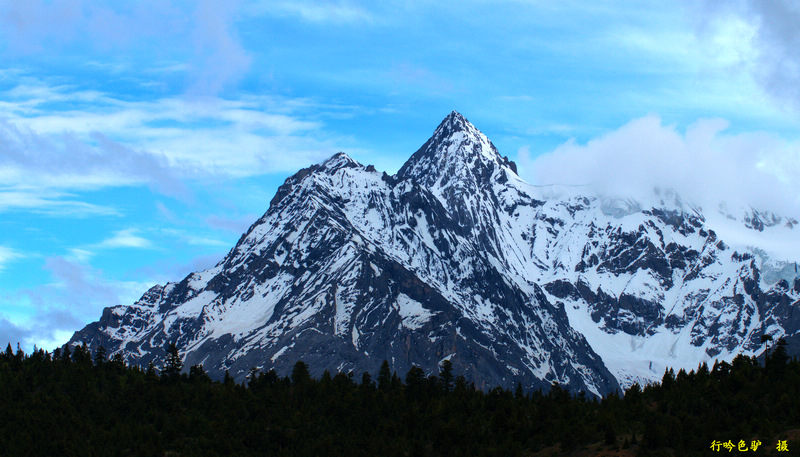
x=456, y=258
x=456, y=150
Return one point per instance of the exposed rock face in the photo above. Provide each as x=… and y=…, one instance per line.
x=455, y=257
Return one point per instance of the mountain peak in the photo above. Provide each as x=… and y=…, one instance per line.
x=453, y=124
x=456, y=259
x=339, y=160
x=455, y=148
x=457, y=120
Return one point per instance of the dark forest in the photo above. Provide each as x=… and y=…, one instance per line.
x=73, y=403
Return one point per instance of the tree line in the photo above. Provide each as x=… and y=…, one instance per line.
x=73, y=402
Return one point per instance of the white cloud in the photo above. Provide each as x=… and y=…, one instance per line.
x=758, y=36
x=128, y=238
x=322, y=12
x=48, y=202
x=8, y=255
x=80, y=255
x=121, y=239
x=65, y=160
x=704, y=164
x=160, y=143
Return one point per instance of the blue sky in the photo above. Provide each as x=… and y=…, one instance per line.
x=138, y=140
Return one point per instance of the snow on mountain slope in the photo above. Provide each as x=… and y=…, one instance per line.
x=455, y=257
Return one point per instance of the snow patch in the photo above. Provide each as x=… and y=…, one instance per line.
x=412, y=313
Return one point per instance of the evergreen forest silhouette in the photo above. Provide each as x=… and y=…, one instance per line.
x=74, y=403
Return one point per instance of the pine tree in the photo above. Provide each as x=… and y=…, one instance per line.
x=777, y=360
x=366, y=380
x=82, y=355
x=446, y=375
x=151, y=371
x=252, y=377
x=100, y=356
x=118, y=361
x=300, y=374
x=415, y=379
x=385, y=377
x=766, y=339
x=66, y=356
x=198, y=374
x=172, y=363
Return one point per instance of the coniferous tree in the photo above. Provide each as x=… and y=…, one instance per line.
x=415, y=376
x=300, y=374
x=461, y=384
x=228, y=380
x=118, y=361
x=766, y=339
x=326, y=379
x=66, y=356
x=100, y=355
x=151, y=371
x=101, y=404
x=779, y=356
x=197, y=374
x=271, y=378
x=385, y=377
x=252, y=377
x=366, y=380
x=172, y=362
x=81, y=355
x=446, y=375
x=518, y=392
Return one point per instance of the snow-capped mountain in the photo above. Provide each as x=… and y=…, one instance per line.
x=455, y=257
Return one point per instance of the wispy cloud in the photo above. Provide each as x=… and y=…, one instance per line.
x=213, y=56
x=223, y=59
x=12, y=334
x=67, y=161
x=7, y=255
x=76, y=294
x=128, y=238
x=166, y=213
x=160, y=143
x=235, y=225
x=76, y=282
x=194, y=239
x=321, y=12
x=48, y=202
